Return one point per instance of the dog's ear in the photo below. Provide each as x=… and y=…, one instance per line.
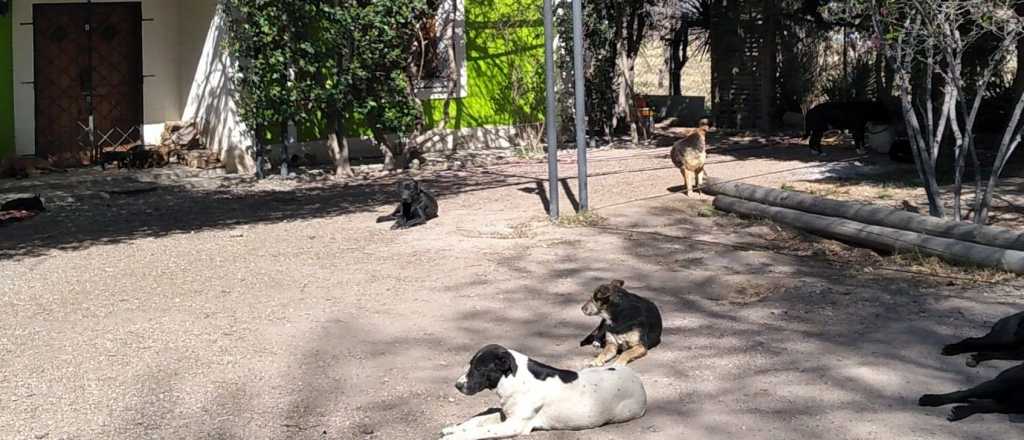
x=618, y=283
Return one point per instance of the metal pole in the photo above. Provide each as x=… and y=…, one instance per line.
x=550, y=120
x=581, y=105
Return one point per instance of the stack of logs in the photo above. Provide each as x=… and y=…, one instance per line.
x=181, y=142
x=876, y=227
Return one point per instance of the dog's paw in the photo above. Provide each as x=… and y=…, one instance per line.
x=959, y=413
x=595, y=363
x=973, y=361
x=396, y=227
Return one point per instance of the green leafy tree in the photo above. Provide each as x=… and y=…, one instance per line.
x=928, y=43
x=327, y=61
x=383, y=37
x=328, y=78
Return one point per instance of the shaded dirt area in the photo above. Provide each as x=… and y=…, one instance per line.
x=216, y=307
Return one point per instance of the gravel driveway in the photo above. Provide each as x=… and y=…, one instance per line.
x=221, y=308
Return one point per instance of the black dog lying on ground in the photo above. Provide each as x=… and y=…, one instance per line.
x=630, y=324
x=1002, y=395
x=1004, y=342
x=853, y=116
x=416, y=208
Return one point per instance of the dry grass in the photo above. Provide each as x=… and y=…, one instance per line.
x=583, y=219
x=953, y=274
x=530, y=151
x=652, y=77
x=517, y=231
x=795, y=242
x=882, y=192
x=708, y=211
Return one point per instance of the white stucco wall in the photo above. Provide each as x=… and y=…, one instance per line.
x=163, y=99
x=205, y=76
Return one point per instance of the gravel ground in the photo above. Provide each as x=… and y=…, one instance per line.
x=207, y=306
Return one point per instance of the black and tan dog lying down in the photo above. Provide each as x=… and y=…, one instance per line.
x=535, y=396
x=630, y=324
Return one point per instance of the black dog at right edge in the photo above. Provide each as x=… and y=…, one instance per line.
x=417, y=206
x=1002, y=395
x=853, y=116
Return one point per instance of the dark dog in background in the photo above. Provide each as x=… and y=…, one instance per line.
x=853, y=116
x=30, y=204
x=900, y=151
x=1004, y=342
x=417, y=206
x=630, y=324
x=1002, y=395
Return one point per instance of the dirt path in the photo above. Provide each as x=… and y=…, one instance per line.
x=225, y=309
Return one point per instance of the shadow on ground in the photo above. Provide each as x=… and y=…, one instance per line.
x=81, y=215
x=756, y=345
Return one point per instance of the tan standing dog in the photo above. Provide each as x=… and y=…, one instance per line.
x=689, y=154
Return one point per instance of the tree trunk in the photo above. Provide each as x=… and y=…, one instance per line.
x=871, y=214
x=678, y=56
x=391, y=153
x=726, y=52
x=790, y=96
x=1018, y=79
x=880, y=238
x=337, y=142
x=260, y=159
x=1011, y=139
x=286, y=140
x=919, y=142
x=769, y=64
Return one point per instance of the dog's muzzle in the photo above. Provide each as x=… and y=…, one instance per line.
x=461, y=384
x=590, y=309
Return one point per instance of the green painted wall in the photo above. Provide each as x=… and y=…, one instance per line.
x=505, y=64
x=6, y=87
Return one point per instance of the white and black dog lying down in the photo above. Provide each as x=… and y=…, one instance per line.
x=416, y=207
x=1004, y=342
x=535, y=396
x=1002, y=395
x=630, y=324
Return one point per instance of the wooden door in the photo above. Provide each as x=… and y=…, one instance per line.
x=88, y=61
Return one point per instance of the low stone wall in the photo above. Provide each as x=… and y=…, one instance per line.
x=434, y=141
